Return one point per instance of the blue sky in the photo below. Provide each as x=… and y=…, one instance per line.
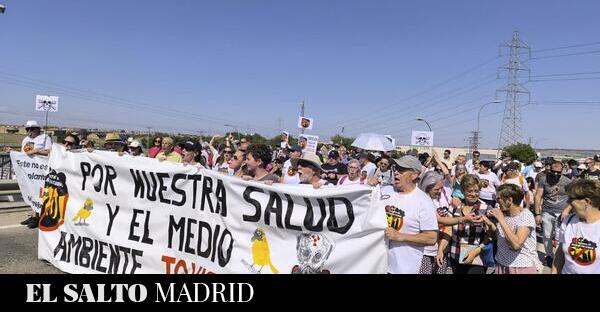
x=367, y=66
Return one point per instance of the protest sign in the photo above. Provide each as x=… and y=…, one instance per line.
x=308, y=143
x=31, y=173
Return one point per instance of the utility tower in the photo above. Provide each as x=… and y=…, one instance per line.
x=512, y=129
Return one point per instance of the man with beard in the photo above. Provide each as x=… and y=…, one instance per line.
x=258, y=156
x=412, y=222
x=309, y=169
x=550, y=201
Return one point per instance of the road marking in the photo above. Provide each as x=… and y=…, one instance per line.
x=4, y=227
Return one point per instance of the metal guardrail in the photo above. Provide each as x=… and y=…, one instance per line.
x=6, y=170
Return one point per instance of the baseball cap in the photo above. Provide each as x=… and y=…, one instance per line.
x=409, y=162
x=295, y=148
x=537, y=164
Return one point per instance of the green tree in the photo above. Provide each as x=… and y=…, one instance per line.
x=338, y=139
x=521, y=152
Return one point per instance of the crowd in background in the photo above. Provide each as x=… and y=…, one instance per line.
x=446, y=213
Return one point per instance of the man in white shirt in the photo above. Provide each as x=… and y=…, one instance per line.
x=35, y=143
x=412, y=223
x=470, y=163
x=289, y=173
x=489, y=183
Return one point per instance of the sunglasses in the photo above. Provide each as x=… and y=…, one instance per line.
x=65, y=142
x=227, y=152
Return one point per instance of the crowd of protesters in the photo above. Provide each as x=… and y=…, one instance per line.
x=445, y=214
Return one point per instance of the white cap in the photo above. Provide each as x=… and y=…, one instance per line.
x=537, y=164
x=130, y=139
x=31, y=124
x=582, y=167
x=134, y=144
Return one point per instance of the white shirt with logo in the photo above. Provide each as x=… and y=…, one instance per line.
x=285, y=173
x=40, y=142
x=417, y=214
x=580, y=242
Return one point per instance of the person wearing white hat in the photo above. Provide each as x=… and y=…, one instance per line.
x=35, y=143
x=309, y=170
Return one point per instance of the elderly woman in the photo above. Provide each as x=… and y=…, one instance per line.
x=156, y=147
x=432, y=183
x=353, y=176
x=468, y=239
x=514, y=227
x=580, y=232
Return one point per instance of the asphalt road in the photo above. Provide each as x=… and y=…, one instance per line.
x=18, y=245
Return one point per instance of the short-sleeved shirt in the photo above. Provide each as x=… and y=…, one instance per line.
x=555, y=196
x=414, y=212
x=489, y=192
x=525, y=257
x=591, y=175
x=290, y=174
x=580, y=242
x=40, y=142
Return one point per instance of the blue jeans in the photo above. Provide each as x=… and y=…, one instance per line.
x=549, y=229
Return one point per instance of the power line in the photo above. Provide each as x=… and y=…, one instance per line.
x=428, y=90
x=110, y=100
x=567, y=74
x=567, y=47
x=564, y=55
x=430, y=104
x=564, y=79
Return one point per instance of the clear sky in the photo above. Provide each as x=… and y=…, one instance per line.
x=367, y=66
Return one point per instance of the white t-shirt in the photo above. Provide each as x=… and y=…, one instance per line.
x=489, y=193
x=369, y=169
x=417, y=214
x=526, y=257
x=580, y=246
x=40, y=142
x=441, y=204
x=470, y=166
x=345, y=180
x=285, y=173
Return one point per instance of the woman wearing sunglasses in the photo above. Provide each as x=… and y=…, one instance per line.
x=156, y=147
x=579, y=237
x=71, y=142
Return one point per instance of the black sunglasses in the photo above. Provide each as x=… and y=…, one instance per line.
x=65, y=142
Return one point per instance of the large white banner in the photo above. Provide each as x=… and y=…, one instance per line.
x=31, y=172
x=105, y=213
